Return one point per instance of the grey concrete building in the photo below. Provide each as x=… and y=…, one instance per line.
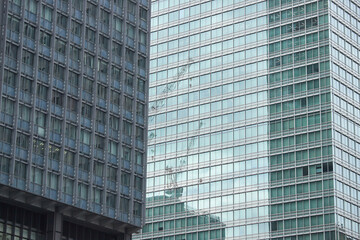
x=254, y=120
x=73, y=118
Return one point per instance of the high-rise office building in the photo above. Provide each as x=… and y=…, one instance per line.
x=73, y=118
x=254, y=120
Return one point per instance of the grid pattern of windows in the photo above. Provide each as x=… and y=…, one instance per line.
x=345, y=35
x=208, y=121
x=18, y=223
x=71, y=123
x=241, y=112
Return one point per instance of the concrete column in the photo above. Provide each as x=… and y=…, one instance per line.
x=54, y=226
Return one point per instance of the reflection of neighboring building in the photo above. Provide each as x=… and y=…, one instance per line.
x=194, y=219
x=208, y=122
x=73, y=118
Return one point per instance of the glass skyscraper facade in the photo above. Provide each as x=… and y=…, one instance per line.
x=73, y=118
x=253, y=120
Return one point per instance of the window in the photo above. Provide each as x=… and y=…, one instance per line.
x=56, y=125
x=118, y=3
x=139, y=134
x=110, y=200
x=117, y=49
x=99, y=142
x=125, y=179
x=83, y=191
x=86, y=110
x=28, y=58
x=73, y=79
x=29, y=31
x=88, y=85
x=30, y=5
x=60, y=46
x=4, y=165
x=297, y=26
x=141, y=86
x=104, y=17
x=91, y=10
x=299, y=11
x=299, y=56
x=61, y=21
x=46, y=13
x=129, y=56
x=131, y=8
x=314, y=68
x=40, y=119
x=39, y=148
x=63, y=4
x=101, y=91
x=100, y=116
x=16, y=2
x=52, y=181
x=117, y=24
x=129, y=80
x=97, y=194
x=115, y=98
x=84, y=163
x=41, y=92
x=103, y=67
x=20, y=170
x=128, y=103
x=137, y=209
x=140, y=109
x=98, y=169
x=127, y=128
x=71, y=104
x=5, y=134
x=69, y=158
x=9, y=78
x=78, y=5
x=130, y=31
x=143, y=14
x=124, y=205
x=126, y=154
x=90, y=35
x=85, y=137
x=70, y=131
x=74, y=53
x=7, y=106
x=104, y=42
x=13, y=24
x=274, y=17
x=68, y=186
x=22, y=141
x=11, y=50
x=57, y=98
x=114, y=122
x=43, y=65
x=139, y=158
x=76, y=28
x=89, y=60
x=141, y=62
x=45, y=38
x=142, y=38
x=312, y=22
x=138, y=183
x=24, y=113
